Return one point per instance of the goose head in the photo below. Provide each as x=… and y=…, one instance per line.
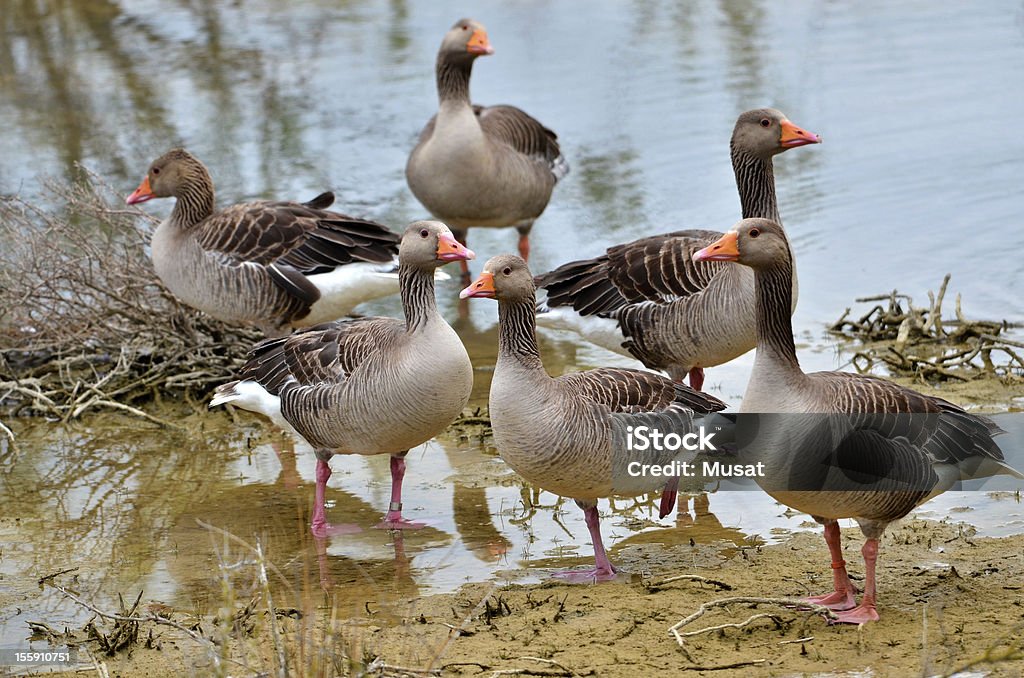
x=466, y=40
x=765, y=132
x=506, y=278
x=757, y=243
x=429, y=244
x=175, y=172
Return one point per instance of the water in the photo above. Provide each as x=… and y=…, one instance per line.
x=918, y=176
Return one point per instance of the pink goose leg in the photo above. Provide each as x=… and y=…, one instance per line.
x=866, y=612
x=319, y=525
x=524, y=246
x=603, y=570
x=842, y=597
x=394, y=520
x=697, y=378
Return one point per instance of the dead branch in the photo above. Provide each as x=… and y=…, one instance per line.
x=743, y=600
x=915, y=341
x=720, y=585
x=84, y=322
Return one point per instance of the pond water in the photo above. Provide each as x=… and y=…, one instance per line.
x=918, y=176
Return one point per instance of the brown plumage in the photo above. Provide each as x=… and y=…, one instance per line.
x=567, y=434
x=268, y=263
x=477, y=165
x=646, y=297
x=367, y=385
x=848, y=446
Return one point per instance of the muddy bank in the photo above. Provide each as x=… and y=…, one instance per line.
x=946, y=599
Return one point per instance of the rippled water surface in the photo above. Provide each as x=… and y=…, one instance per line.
x=918, y=104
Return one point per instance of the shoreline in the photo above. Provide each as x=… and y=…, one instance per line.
x=946, y=598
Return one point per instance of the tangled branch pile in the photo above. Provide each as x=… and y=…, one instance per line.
x=84, y=322
x=916, y=341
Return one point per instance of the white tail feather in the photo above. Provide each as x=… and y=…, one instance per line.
x=249, y=395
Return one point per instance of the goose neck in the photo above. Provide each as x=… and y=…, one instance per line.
x=517, y=336
x=774, y=301
x=755, y=180
x=194, y=203
x=416, y=286
x=453, y=79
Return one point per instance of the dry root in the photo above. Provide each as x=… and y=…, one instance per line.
x=916, y=341
x=84, y=322
x=743, y=600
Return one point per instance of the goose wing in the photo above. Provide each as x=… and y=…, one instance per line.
x=632, y=391
x=937, y=430
x=522, y=132
x=322, y=354
x=656, y=269
x=303, y=236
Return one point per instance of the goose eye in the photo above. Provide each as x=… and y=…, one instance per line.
x=156, y=170
x=765, y=122
x=508, y=270
x=465, y=28
x=424, y=233
x=754, y=233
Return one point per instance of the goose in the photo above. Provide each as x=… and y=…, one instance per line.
x=889, y=450
x=366, y=385
x=274, y=265
x=646, y=298
x=492, y=166
x=566, y=434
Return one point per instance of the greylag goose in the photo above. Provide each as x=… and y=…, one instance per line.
x=565, y=434
x=646, y=298
x=473, y=165
x=367, y=385
x=276, y=265
x=889, y=450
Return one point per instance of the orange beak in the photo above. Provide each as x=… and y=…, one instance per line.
x=450, y=249
x=142, y=193
x=792, y=136
x=725, y=248
x=478, y=43
x=483, y=288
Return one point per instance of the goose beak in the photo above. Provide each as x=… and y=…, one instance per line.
x=792, y=136
x=142, y=193
x=725, y=248
x=450, y=249
x=483, y=288
x=478, y=43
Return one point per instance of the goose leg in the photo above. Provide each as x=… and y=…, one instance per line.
x=668, y=497
x=697, y=378
x=524, y=240
x=842, y=597
x=394, y=520
x=319, y=525
x=866, y=611
x=603, y=570
x=460, y=235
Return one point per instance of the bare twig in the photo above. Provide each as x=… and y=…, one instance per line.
x=46, y=578
x=84, y=322
x=720, y=585
x=743, y=600
x=722, y=667
x=918, y=342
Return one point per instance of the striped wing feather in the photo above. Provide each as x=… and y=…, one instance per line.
x=625, y=390
x=518, y=129
x=656, y=269
x=941, y=430
x=322, y=354
x=301, y=235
